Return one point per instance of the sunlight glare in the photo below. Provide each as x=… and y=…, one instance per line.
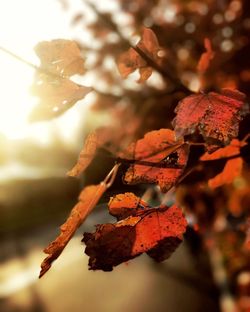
x=28, y=23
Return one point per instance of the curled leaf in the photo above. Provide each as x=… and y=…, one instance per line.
x=158, y=157
x=206, y=57
x=214, y=115
x=93, y=141
x=156, y=231
x=88, y=199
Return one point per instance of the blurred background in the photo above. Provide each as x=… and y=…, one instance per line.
x=35, y=194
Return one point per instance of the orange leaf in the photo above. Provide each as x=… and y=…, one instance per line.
x=124, y=205
x=158, y=157
x=214, y=115
x=206, y=57
x=156, y=231
x=88, y=199
x=231, y=171
x=233, y=166
x=227, y=151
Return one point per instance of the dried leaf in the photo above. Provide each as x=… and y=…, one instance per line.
x=93, y=141
x=130, y=60
x=206, y=57
x=88, y=199
x=158, y=157
x=56, y=96
x=156, y=231
x=61, y=57
x=214, y=115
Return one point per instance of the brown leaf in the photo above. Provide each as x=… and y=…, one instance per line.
x=156, y=231
x=206, y=57
x=88, y=199
x=61, y=57
x=158, y=157
x=56, y=96
x=93, y=141
x=214, y=115
x=130, y=60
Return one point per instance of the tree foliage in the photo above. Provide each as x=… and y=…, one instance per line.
x=182, y=126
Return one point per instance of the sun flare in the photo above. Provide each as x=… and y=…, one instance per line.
x=30, y=22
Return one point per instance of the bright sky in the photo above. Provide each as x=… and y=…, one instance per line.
x=23, y=24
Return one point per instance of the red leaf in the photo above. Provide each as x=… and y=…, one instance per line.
x=130, y=60
x=214, y=115
x=156, y=231
x=158, y=157
x=88, y=199
x=206, y=57
x=93, y=141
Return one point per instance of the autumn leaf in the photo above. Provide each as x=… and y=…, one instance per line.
x=88, y=199
x=214, y=115
x=56, y=96
x=206, y=57
x=228, y=151
x=60, y=56
x=124, y=205
x=231, y=171
x=93, y=141
x=60, y=59
x=158, y=157
x=156, y=231
x=131, y=60
x=232, y=168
